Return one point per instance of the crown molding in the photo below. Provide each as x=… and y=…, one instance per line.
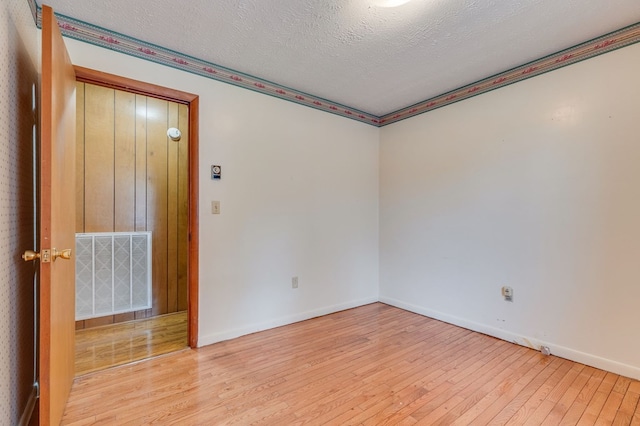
x=122, y=43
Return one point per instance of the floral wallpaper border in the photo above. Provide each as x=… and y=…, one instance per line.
x=102, y=37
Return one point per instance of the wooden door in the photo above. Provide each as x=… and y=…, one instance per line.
x=57, y=222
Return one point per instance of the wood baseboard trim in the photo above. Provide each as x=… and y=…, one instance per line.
x=25, y=419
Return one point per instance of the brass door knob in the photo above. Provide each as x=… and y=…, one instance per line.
x=30, y=255
x=63, y=254
x=46, y=255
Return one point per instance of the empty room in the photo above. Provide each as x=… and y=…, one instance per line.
x=353, y=212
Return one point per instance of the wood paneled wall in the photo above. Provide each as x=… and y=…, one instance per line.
x=132, y=177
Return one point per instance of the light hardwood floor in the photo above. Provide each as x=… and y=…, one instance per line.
x=116, y=344
x=371, y=365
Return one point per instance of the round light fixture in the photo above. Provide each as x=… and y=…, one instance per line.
x=174, y=134
x=390, y=3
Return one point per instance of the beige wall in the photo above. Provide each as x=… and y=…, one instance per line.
x=534, y=186
x=18, y=77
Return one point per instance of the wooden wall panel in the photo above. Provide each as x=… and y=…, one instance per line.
x=157, y=202
x=79, y=157
x=99, y=160
x=127, y=316
x=136, y=179
x=124, y=163
x=172, y=212
x=141, y=164
x=97, y=322
x=183, y=208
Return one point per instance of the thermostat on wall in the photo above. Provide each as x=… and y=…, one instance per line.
x=216, y=172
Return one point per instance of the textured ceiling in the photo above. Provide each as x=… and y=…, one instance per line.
x=356, y=52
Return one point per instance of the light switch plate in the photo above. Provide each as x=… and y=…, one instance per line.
x=215, y=207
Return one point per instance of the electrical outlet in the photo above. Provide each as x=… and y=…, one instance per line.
x=294, y=282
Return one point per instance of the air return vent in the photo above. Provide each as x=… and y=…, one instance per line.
x=113, y=273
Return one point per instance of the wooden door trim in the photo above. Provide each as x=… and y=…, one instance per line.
x=100, y=78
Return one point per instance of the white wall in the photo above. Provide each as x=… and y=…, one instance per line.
x=299, y=197
x=535, y=186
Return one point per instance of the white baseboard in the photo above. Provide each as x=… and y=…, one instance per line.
x=278, y=322
x=28, y=409
x=527, y=341
x=558, y=350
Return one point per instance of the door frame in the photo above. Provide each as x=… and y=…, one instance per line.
x=100, y=78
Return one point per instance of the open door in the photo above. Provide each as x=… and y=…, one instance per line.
x=57, y=223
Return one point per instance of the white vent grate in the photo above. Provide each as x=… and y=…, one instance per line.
x=113, y=273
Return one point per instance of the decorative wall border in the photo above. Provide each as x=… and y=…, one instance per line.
x=34, y=11
x=597, y=46
x=112, y=40
x=79, y=30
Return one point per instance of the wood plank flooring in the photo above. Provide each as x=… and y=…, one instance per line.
x=116, y=344
x=373, y=365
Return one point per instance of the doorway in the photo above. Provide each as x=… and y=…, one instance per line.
x=135, y=278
